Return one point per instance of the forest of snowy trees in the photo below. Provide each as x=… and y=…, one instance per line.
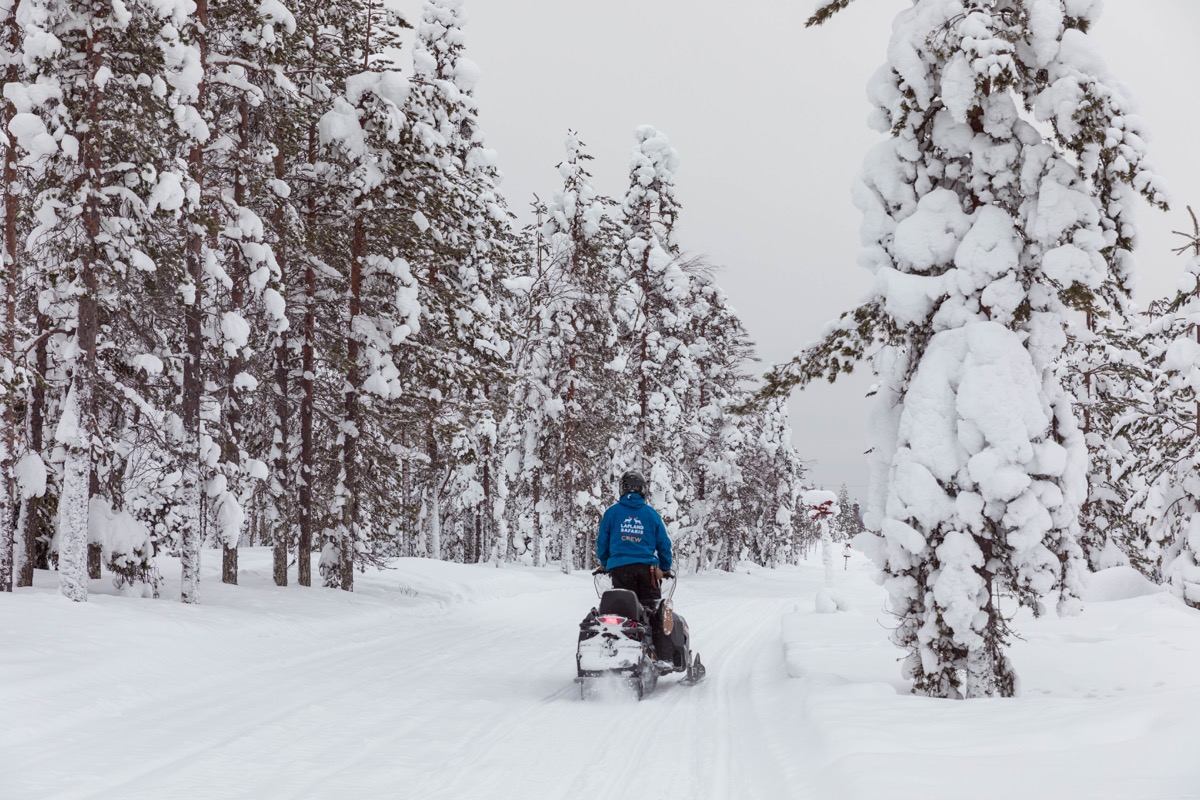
x=1030, y=423
x=261, y=288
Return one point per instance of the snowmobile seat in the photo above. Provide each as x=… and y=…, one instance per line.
x=622, y=602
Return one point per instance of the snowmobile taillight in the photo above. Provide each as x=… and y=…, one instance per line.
x=611, y=620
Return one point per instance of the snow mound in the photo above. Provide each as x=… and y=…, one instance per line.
x=828, y=602
x=1118, y=583
x=794, y=631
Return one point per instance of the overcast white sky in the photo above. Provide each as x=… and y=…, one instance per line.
x=769, y=119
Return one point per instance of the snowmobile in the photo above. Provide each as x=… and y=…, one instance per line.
x=624, y=640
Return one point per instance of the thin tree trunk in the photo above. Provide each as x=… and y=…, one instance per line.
x=569, y=523
x=237, y=363
x=539, y=553
x=194, y=344
x=95, y=551
x=350, y=431
x=435, y=494
x=31, y=516
x=307, y=402
x=307, y=395
x=281, y=481
x=8, y=421
x=80, y=406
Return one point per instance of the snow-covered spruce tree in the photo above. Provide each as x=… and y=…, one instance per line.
x=1106, y=371
x=293, y=100
x=984, y=235
x=755, y=517
x=781, y=481
x=246, y=44
x=307, y=226
x=842, y=525
x=654, y=318
x=466, y=252
x=723, y=511
x=562, y=411
x=362, y=137
x=230, y=262
x=1165, y=500
x=113, y=70
x=721, y=351
x=31, y=303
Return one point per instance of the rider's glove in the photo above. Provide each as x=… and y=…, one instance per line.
x=668, y=573
x=599, y=571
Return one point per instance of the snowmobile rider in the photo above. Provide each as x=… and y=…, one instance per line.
x=632, y=544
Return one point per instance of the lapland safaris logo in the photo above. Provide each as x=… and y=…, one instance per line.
x=632, y=530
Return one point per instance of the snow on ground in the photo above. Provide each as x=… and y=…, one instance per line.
x=439, y=680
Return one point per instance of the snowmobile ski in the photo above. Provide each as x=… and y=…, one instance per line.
x=695, y=673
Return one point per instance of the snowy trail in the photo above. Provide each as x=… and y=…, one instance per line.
x=439, y=681
x=446, y=702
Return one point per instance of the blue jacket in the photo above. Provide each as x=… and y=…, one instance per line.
x=630, y=533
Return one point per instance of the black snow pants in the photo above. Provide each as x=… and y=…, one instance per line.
x=639, y=579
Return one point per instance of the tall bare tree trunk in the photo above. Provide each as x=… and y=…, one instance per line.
x=32, y=519
x=435, y=490
x=193, y=376
x=350, y=432
x=95, y=551
x=8, y=259
x=307, y=395
x=568, y=523
x=237, y=363
x=80, y=407
x=281, y=482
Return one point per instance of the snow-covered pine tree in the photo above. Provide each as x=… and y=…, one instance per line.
x=246, y=43
x=984, y=235
x=724, y=510
x=1095, y=122
x=654, y=320
x=229, y=258
x=563, y=413
x=288, y=107
x=721, y=352
x=23, y=142
x=328, y=50
x=466, y=253
x=1166, y=490
x=842, y=526
x=113, y=71
x=772, y=481
x=1105, y=367
x=361, y=137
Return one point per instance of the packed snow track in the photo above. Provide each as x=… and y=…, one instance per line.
x=437, y=680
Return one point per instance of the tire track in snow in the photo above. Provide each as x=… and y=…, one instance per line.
x=458, y=704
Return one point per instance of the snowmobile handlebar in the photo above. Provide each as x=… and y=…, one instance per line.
x=603, y=582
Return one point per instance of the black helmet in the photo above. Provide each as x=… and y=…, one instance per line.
x=633, y=483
